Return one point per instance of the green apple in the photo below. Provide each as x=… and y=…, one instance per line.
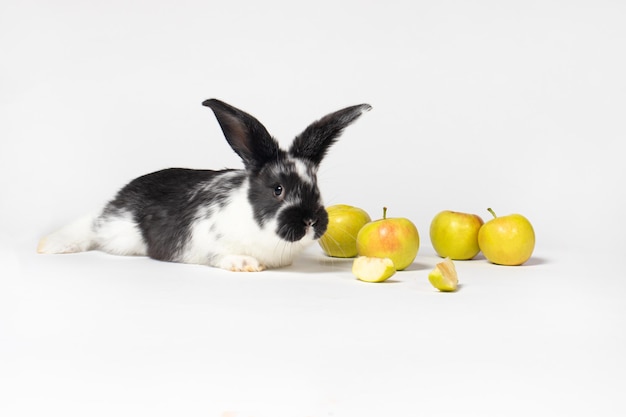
x=507, y=240
x=393, y=238
x=444, y=276
x=344, y=223
x=373, y=269
x=455, y=234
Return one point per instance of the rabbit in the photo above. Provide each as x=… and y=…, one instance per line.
x=250, y=219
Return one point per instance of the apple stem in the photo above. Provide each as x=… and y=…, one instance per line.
x=492, y=212
x=384, y=213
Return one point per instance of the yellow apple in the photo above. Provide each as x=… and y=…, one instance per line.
x=393, y=238
x=344, y=223
x=507, y=240
x=444, y=276
x=455, y=234
x=373, y=269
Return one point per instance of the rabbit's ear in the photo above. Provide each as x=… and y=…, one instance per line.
x=315, y=140
x=245, y=134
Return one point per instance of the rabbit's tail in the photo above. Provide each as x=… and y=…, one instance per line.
x=78, y=236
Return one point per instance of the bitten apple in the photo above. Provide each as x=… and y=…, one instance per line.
x=393, y=238
x=444, y=276
x=455, y=234
x=507, y=240
x=344, y=223
x=373, y=269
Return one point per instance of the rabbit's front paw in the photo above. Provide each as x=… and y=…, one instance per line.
x=241, y=263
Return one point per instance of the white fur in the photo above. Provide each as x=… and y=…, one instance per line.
x=75, y=237
x=119, y=235
x=304, y=170
x=231, y=239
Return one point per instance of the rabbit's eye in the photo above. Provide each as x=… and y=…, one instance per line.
x=278, y=191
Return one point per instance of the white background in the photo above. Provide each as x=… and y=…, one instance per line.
x=517, y=106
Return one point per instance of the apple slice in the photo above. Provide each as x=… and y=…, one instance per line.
x=444, y=276
x=370, y=269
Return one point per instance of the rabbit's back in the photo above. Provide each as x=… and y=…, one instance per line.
x=155, y=214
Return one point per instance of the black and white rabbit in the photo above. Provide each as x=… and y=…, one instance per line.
x=248, y=219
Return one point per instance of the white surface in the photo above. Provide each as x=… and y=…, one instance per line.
x=97, y=335
x=517, y=106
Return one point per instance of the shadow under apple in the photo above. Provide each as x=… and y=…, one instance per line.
x=415, y=266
